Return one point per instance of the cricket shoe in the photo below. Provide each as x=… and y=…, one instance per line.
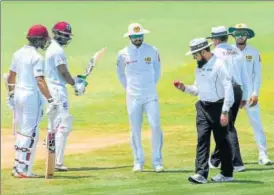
x=159, y=168
x=137, y=168
x=239, y=168
x=25, y=175
x=197, y=179
x=265, y=161
x=61, y=168
x=221, y=178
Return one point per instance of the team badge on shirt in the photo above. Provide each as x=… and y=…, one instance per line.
x=248, y=58
x=148, y=60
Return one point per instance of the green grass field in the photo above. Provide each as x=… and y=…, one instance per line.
x=102, y=108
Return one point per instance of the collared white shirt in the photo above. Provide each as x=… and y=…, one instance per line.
x=139, y=70
x=235, y=64
x=55, y=56
x=213, y=83
x=27, y=63
x=253, y=66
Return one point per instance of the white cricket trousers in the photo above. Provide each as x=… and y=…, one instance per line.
x=135, y=108
x=63, y=121
x=28, y=113
x=256, y=123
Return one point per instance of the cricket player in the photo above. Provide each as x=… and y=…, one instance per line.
x=253, y=64
x=237, y=70
x=139, y=70
x=213, y=87
x=57, y=76
x=26, y=71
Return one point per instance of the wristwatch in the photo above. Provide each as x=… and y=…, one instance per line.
x=50, y=100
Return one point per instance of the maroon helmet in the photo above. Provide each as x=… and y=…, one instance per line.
x=62, y=32
x=38, y=36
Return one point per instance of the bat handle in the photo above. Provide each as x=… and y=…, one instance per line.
x=83, y=77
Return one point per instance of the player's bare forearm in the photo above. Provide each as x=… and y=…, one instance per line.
x=43, y=87
x=65, y=74
x=11, y=80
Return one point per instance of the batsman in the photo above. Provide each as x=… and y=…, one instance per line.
x=57, y=76
x=26, y=85
x=139, y=70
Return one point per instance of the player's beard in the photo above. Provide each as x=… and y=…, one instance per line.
x=241, y=43
x=137, y=42
x=201, y=62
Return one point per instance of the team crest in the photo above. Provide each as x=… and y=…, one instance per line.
x=148, y=60
x=136, y=29
x=248, y=58
x=239, y=26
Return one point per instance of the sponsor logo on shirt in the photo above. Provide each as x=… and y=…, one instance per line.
x=131, y=62
x=230, y=53
x=148, y=60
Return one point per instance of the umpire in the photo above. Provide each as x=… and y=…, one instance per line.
x=214, y=89
x=237, y=70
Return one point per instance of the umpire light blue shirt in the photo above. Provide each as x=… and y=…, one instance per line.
x=139, y=70
x=213, y=83
x=234, y=60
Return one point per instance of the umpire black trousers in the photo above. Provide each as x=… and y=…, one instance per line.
x=207, y=120
x=233, y=137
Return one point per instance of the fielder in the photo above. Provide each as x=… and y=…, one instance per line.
x=57, y=76
x=253, y=64
x=234, y=61
x=139, y=70
x=26, y=101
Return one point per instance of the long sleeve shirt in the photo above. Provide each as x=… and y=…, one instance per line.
x=253, y=66
x=234, y=60
x=213, y=83
x=139, y=70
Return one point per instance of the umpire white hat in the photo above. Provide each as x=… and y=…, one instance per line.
x=198, y=44
x=218, y=31
x=136, y=29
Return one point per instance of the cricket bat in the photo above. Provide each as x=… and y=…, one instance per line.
x=92, y=63
x=50, y=159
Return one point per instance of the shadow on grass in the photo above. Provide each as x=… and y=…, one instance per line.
x=251, y=163
x=96, y=168
x=269, y=168
x=238, y=182
x=171, y=171
x=247, y=182
x=72, y=177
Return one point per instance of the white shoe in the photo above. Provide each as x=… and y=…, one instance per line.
x=198, y=179
x=211, y=166
x=265, y=161
x=239, y=168
x=61, y=168
x=137, y=168
x=159, y=168
x=221, y=178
